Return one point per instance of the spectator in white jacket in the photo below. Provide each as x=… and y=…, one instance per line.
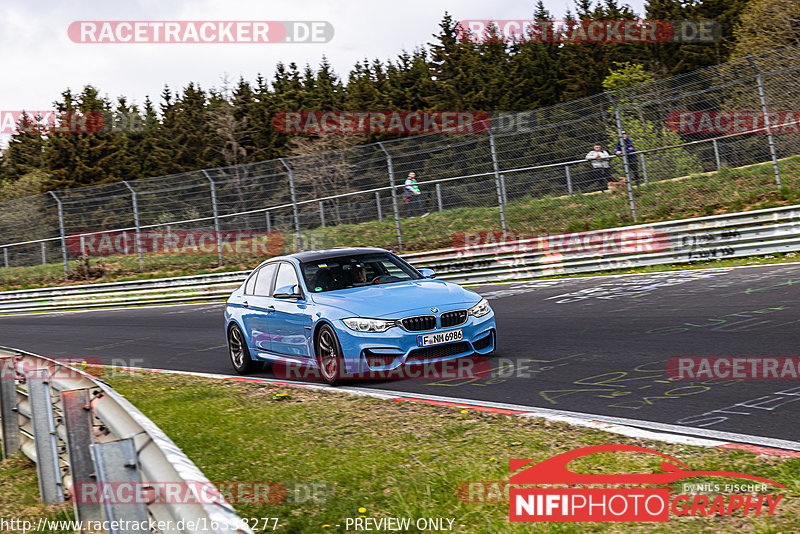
x=601, y=168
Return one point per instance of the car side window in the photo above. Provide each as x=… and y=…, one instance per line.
x=263, y=285
x=250, y=286
x=287, y=276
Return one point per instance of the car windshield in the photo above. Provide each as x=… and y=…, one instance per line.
x=344, y=272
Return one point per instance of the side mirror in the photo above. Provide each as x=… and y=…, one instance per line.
x=287, y=292
x=428, y=273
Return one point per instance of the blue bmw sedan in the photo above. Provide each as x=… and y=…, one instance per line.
x=348, y=311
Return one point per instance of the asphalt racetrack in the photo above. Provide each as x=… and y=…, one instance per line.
x=595, y=345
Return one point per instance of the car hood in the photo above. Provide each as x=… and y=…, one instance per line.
x=393, y=300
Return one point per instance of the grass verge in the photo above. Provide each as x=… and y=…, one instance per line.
x=378, y=458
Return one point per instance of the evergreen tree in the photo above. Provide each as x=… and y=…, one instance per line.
x=24, y=153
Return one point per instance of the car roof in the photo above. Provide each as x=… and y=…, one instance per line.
x=315, y=255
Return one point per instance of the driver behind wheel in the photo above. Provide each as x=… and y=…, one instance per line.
x=359, y=274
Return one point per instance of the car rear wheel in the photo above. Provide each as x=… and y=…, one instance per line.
x=329, y=355
x=240, y=353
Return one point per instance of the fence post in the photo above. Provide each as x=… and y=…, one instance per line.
x=497, y=179
x=137, y=239
x=61, y=231
x=643, y=162
x=569, y=179
x=216, y=216
x=767, y=126
x=294, y=205
x=378, y=204
x=75, y=404
x=439, y=195
x=8, y=406
x=269, y=221
x=625, y=163
x=503, y=187
x=5, y=257
x=45, y=438
x=115, y=463
x=321, y=213
x=716, y=154
x=394, y=197
x=44, y=254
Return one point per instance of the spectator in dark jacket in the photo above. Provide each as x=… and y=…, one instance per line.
x=633, y=158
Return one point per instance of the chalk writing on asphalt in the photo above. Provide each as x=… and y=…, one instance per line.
x=753, y=407
x=645, y=385
x=629, y=287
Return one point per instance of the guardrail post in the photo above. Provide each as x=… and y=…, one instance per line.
x=643, y=163
x=44, y=254
x=770, y=138
x=439, y=195
x=8, y=406
x=625, y=162
x=61, y=231
x=294, y=205
x=114, y=463
x=496, y=167
x=390, y=165
x=45, y=438
x=322, y=214
x=137, y=241
x=716, y=153
x=216, y=216
x=378, y=205
x=78, y=423
x=569, y=179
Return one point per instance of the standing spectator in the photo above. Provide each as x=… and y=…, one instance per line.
x=413, y=196
x=633, y=160
x=601, y=169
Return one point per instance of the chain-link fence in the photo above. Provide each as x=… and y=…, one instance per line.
x=693, y=136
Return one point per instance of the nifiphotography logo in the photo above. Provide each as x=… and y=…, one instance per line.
x=628, y=504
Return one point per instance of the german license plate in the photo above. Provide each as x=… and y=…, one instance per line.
x=438, y=338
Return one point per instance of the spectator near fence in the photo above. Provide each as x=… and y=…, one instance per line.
x=413, y=196
x=601, y=169
x=633, y=160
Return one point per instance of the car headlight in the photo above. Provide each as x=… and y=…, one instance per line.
x=361, y=324
x=480, y=309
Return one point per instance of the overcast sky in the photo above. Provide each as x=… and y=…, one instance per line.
x=39, y=60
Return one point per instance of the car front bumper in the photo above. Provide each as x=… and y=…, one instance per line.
x=386, y=351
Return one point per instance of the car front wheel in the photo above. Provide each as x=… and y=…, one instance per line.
x=329, y=355
x=240, y=353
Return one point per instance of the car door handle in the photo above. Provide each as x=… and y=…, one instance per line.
x=270, y=308
x=245, y=304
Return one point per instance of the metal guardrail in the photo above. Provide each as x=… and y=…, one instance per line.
x=748, y=233
x=79, y=431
